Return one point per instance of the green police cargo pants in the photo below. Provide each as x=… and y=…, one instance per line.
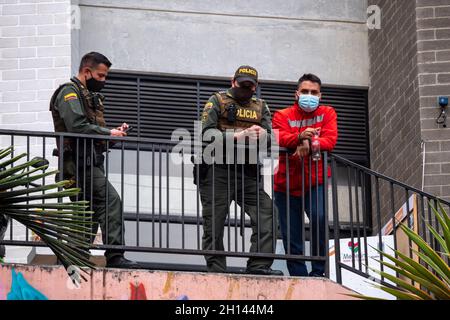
x=216, y=208
x=106, y=205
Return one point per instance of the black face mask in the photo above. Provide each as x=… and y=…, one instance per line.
x=94, y=85
x=242, y=94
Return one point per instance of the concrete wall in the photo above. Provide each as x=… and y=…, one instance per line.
x=283, y=38
x=115, y=284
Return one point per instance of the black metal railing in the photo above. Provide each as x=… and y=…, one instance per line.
x=163, y=211
x=393, y=202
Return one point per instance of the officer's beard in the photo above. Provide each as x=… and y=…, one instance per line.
x=242, y=94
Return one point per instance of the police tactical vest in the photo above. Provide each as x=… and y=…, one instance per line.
x=246, y=115
x=93, y=108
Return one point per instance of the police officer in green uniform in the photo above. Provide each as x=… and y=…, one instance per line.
x=77, y=107
x=238, y=113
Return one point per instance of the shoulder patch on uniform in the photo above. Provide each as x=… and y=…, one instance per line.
x=70, y=96
x=204, y=117
x=208, y=105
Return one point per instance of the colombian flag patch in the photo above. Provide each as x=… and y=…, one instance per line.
x=70, y=96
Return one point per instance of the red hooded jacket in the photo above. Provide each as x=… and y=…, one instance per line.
x=287, y=125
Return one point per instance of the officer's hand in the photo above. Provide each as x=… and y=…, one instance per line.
x=254, y=132
x=303, y=149
x=308, y=133
x=245, y=133
x=261, y=132
x=123, y=127
x=117, y=133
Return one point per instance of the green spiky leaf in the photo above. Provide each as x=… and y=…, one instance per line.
x=66, y=227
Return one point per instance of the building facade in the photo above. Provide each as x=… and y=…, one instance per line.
x=397, y=51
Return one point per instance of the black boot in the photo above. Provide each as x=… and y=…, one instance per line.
x=265, y=271
x=122, y=263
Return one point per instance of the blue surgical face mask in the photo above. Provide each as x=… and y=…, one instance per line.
x=308, y=102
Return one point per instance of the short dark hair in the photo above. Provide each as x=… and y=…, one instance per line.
x=93, y=59
x=309, y=77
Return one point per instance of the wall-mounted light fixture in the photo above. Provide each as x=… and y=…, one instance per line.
x=443, y=103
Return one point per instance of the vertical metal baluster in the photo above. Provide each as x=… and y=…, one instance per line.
x=213, y=190
x=274, y=215
x=61, y=170
x=198, y=169
x=61, y=162
x=182, y=199
x=364, y=218
x=43, y=155
x=11, y=222
x=122, y=186
x=84, y=182
x=107, y=191
x=408, y=214
x=380, y=239
x=409, y=221
x=258, y=218
x=423, y=232
x=197, y=172
x=430, y=219
x=358, y=229
x=153, y=195
x=167, y=197
x=228, y=207
x=28, y=185
x=325, y=209
x=303, y=209
x=448, y=212
x=337, y=245
x=160, y=196
x=77, y=170
x=351, y=212
x=91, y=183
x=318, y=227
x=236, y=224
x=311, y=229
x=243, y=208
x=288, y=209
x=43, y=171
x=138, y=154
x=392, y=200
x=437, y=228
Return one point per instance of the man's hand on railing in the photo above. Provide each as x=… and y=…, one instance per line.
x=303, y=149
x=117, y=133
x=307, y=134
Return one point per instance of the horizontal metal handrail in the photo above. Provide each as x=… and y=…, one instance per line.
x=386, y=178
x=360, y=230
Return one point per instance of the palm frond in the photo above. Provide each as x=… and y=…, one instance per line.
x=432, y=273
x=65, y=226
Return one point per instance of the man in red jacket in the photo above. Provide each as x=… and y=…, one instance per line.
x=294, y=127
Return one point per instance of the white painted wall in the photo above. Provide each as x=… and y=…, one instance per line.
x=35, y=51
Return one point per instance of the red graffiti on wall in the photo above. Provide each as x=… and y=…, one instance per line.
x=137, y=292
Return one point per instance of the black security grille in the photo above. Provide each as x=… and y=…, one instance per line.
x=157, y=104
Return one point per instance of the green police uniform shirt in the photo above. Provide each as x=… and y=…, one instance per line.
x=211, y=115
x=69, y=105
